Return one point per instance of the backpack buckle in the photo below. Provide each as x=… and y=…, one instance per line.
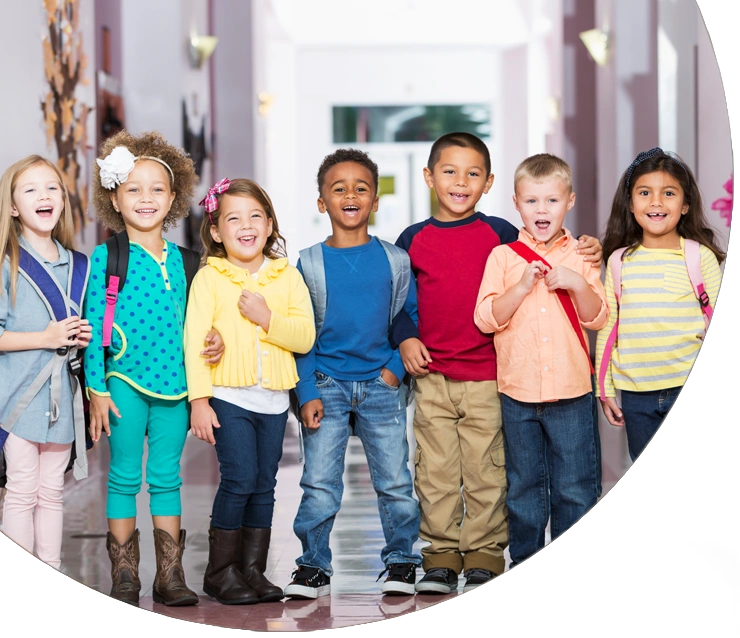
x=111, y=296
x=75, y=366
x=62, y=351
x=704, y=298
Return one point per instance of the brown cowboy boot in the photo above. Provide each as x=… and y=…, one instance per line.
x=169, y=583
x=223, y=580
x=124, y=560
x=255, y=545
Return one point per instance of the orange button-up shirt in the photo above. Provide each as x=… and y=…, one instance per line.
x=539, y=355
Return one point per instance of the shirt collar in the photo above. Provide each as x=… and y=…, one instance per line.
x=561, y=242
x=63, y=254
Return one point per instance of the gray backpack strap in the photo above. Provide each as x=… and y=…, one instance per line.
x=312, y=264
x=400, y=275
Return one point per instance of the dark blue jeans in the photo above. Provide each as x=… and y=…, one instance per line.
x=249, y=447
x=643, y=414
x=551, y=467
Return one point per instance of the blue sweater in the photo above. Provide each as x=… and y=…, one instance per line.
x=353, y=344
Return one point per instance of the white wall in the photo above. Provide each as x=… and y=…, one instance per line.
x=156, y=70
x=22, y=26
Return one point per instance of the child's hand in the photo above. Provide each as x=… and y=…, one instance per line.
x=214, y=347
x=254, y=307
x=591, y=247
x=565, y=278
x=532, y=274
x=612, y=412
x=83, y=339
x=203, y=419
x=100, y=406
x=390, y=378
x=415, y=357
x=61, y=334
x=312, y=413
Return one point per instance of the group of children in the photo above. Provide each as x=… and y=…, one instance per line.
x=504, y=426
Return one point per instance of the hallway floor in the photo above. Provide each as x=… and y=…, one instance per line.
x=356, y=542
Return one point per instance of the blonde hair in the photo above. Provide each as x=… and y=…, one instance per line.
x=11, y=227
x=544, y=166
x=275, y=244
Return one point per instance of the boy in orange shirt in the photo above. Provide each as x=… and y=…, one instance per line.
x=537, y=296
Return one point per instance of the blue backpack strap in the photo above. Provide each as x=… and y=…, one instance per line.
x=79, y=273
x=400, y=276
x=46, y=285
x=312, y=265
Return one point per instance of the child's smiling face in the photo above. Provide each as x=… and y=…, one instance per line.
x=38, y=200
x=349, y=195
x=144, y=199
x=657, y=202
x=243, y=227
x=543, y=206
x=459, y=180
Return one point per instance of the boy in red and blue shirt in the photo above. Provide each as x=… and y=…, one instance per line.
x=457, y=422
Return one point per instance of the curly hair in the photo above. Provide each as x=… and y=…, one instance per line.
x=153, y=144
x=346, y=155
x=275, y=244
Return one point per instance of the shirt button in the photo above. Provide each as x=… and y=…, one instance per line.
x=544, y=310
x=254, y=276
x=547, y=368
x=266, y=380
x=259, y=328
x=48, y=414
x=542, y=283
x=544, y=339
x=265, y=353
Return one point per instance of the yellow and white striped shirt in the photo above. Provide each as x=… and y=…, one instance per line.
x=660, y=320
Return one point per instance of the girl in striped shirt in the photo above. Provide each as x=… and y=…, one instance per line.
x=656, y=208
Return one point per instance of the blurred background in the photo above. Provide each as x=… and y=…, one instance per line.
x=266, y=88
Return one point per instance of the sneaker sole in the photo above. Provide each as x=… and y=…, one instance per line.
x=472, y=587
x=435, y=588
x=398, y=589
x=301, y=591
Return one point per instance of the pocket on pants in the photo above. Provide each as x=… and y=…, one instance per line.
x=387, y=386
x=322, y=380
x=498, y=458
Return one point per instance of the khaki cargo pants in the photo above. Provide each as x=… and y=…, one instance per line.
x=460, y=444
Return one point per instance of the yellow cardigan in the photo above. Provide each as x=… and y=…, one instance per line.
x=214, y=295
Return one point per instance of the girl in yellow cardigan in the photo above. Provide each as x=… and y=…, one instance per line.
x=261, y=307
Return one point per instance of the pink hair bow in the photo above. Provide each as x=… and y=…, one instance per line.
x=210, y=201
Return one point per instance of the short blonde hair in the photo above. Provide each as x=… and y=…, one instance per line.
x=11, y=227
x=544, y=166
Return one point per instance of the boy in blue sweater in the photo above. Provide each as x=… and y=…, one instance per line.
x=354, y=375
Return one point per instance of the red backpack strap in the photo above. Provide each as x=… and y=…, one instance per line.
x=526, y=253
x=615, y=264
x=692, y=255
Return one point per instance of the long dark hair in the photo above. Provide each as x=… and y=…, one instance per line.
x=623, y=230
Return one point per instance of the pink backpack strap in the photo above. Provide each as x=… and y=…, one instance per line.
x=692, y=255
x=111, y=297
x=615, y=263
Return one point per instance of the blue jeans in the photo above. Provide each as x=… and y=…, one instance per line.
x=379, y=412
x=643, y=414
x=551, y=468
x=249, y=447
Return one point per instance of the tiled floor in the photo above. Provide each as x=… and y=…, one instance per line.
x=356, y=543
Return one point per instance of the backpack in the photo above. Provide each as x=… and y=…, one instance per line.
x=61, y=304
x=312, y=264
x=526, y=253
x=117, y=268
x=692, y=256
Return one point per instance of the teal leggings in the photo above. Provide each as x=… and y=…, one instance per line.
x=165, y=424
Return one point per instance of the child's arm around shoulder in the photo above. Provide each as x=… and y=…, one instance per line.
x=295, y=332
x=496, y=304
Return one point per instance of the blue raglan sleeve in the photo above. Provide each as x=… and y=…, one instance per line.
x=506, y=231
x=404, y=326
x=94, y=310
x=306, y=366
x=409, y=310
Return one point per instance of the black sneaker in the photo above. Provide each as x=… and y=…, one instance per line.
x=401, y=579
x=308, y=582
x=438, y=580
x=477, y=577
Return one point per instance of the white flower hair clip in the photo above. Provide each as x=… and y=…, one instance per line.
x=116, y=168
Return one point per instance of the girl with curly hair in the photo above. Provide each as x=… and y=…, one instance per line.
x=137, y=386
x=262, y=307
